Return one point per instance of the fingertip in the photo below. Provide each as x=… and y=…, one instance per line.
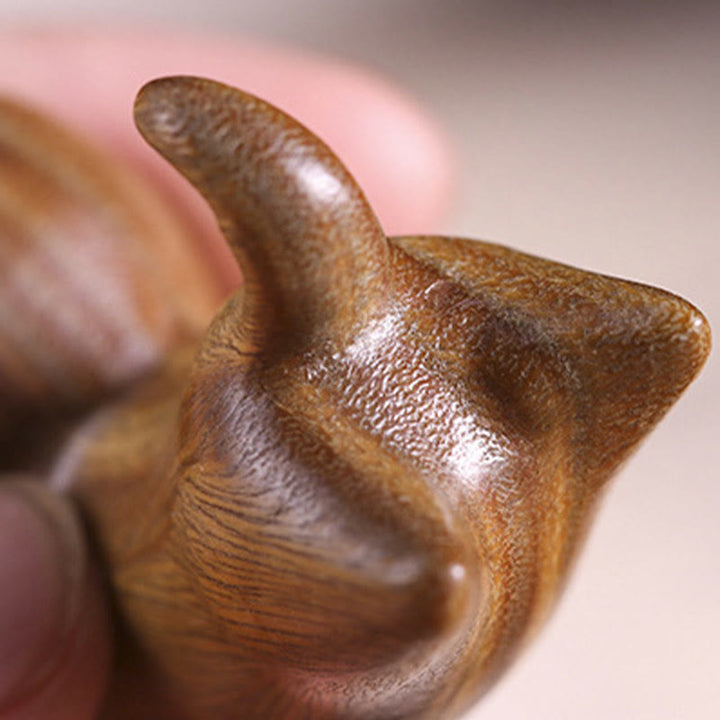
x=54, y=655
x=89, y=78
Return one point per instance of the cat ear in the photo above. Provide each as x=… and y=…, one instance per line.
x=312, y=253
x=620, y=353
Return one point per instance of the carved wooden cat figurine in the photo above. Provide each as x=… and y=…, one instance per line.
x=359, y=491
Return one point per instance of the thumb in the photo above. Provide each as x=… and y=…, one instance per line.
x=54, y=639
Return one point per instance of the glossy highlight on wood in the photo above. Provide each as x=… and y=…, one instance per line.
x=358, y=492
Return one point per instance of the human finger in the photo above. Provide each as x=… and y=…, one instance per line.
x=54, y=648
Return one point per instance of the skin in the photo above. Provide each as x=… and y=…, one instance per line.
x=56, y=653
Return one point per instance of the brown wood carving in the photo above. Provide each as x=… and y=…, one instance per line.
x=357, y=492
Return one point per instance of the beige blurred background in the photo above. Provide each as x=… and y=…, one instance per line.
x=588, y=132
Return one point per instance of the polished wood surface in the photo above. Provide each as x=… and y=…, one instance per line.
x=359, y=491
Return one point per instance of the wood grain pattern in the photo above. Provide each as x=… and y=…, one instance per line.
x=98, y=281
x=358, y=493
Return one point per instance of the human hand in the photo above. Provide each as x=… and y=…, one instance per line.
x=55, y=643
